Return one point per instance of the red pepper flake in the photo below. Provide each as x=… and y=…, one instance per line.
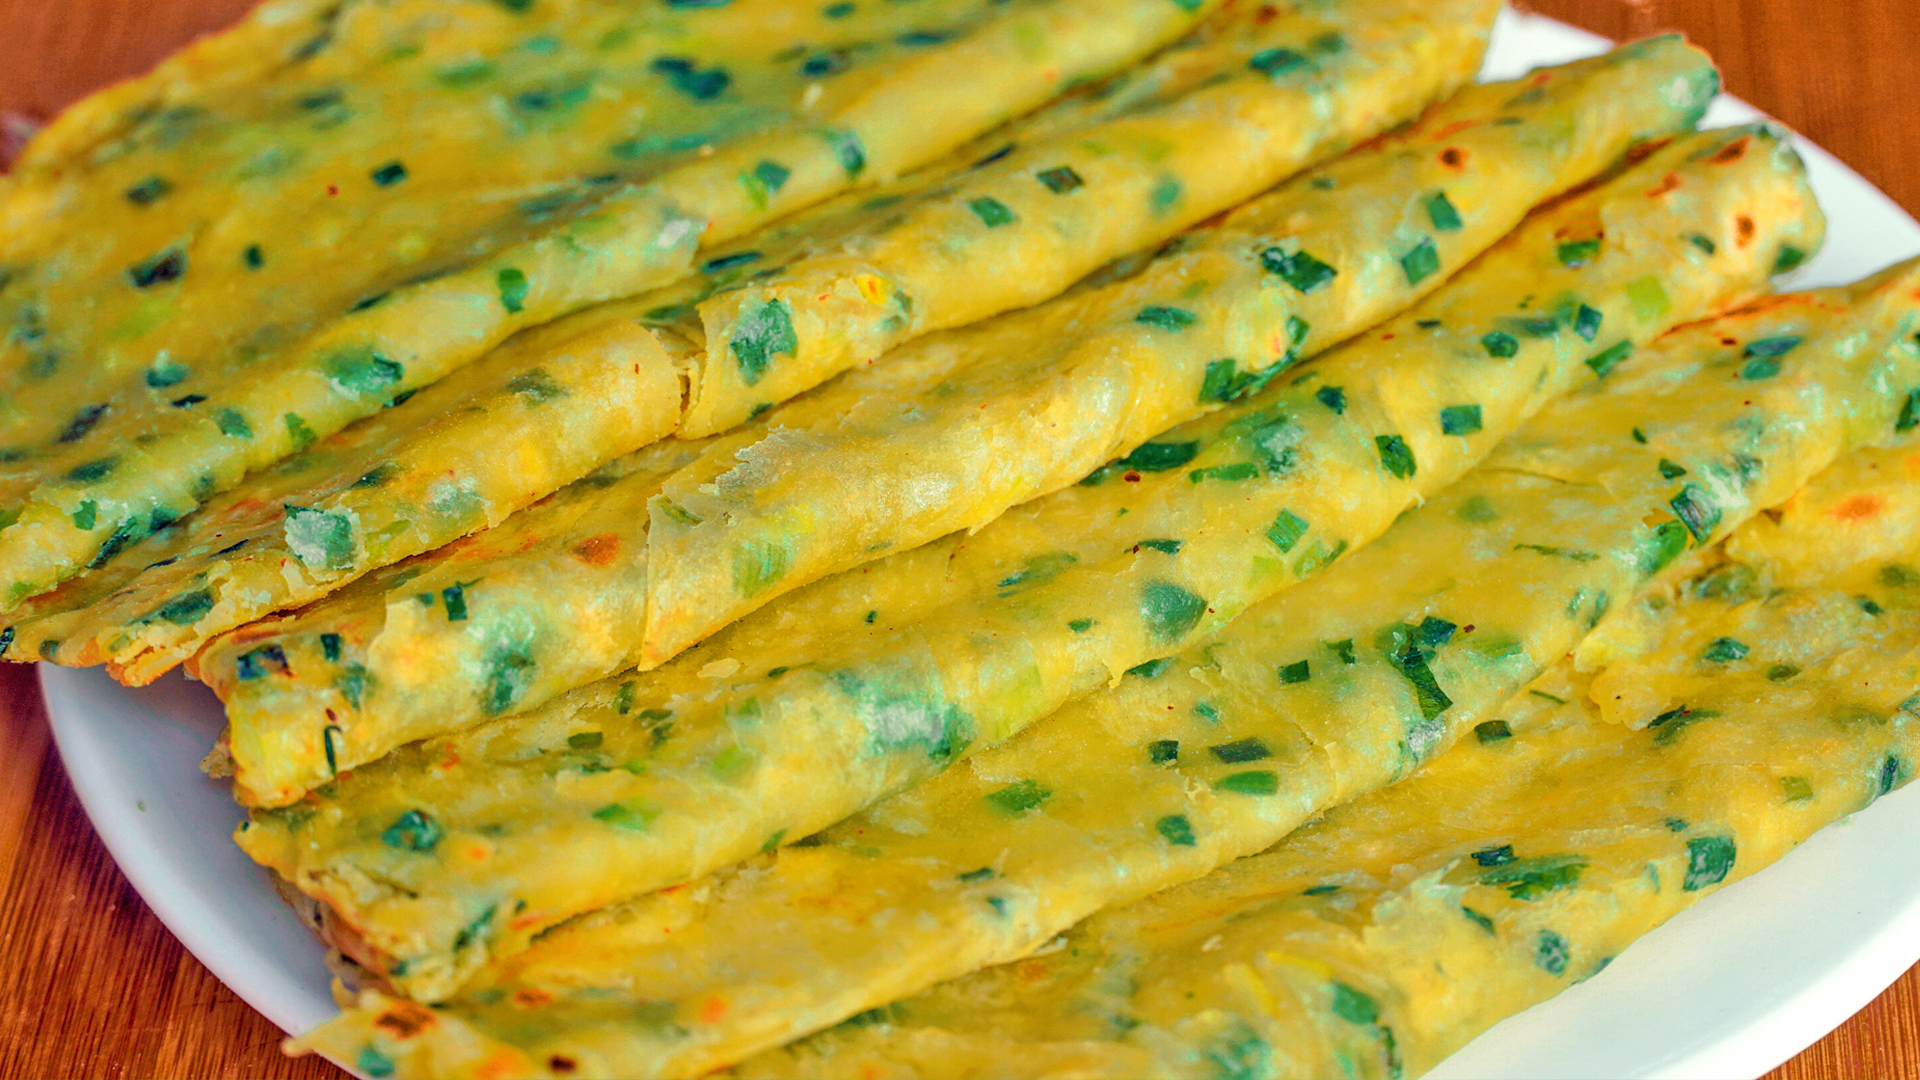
x=562, y=1064
x=1453, y=157
x=1031, y=971
x=598, y=550
x=712, y=1010
x=1857, y=509
x=1742, y=231
x=1130, y=476
x=501, y=1065
x=333, y=189
x=1671, y=183
x=1265, y=15
x=531, y=997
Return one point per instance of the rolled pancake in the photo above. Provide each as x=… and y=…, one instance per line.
x=1045, y=213
x=873, y=681
x=1320, y=695
x=901, y=453
x=162, y=293
x=1189, y=113
x=1380, y=939
x=1299, y=270
x=540, y=412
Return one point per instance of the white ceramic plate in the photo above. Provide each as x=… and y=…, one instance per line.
x=1731, y=988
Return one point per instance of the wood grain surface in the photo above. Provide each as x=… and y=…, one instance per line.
x=92, y=985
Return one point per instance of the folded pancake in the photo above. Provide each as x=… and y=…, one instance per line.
x=460, y=848
x=1106, y=380
x=1189, y=113
x=1295, y=272
x=1320, y=695
x=1859, y=513
x=1044, y=213
x=1378, y=940
x=1851, y=531
x=540, y=412
x=173, y=268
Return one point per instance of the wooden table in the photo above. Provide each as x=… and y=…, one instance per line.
x=91, y=984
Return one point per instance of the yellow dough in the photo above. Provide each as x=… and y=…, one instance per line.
x=618, y=140
x=464, y=846
x=853, y=453
x=1317, y=697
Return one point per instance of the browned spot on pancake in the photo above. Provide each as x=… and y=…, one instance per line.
x=405, y=1020
x=1641, y=151
x=1731, y=152
x=531, y=997
x=598, y=550
x=253, y=632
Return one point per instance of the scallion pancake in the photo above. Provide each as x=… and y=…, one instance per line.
x=877, y=680
x=919, y=425
x=171, y=336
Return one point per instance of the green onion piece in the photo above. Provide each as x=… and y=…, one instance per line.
x=1300, y=270
x=1166, y=318
x=1176, y=830
x=991, y=211
x=1420, y=263
x=1709, y=858
x=1460, y=419
x=1060, y=179
x=1020, y=796
x=1395, y=456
